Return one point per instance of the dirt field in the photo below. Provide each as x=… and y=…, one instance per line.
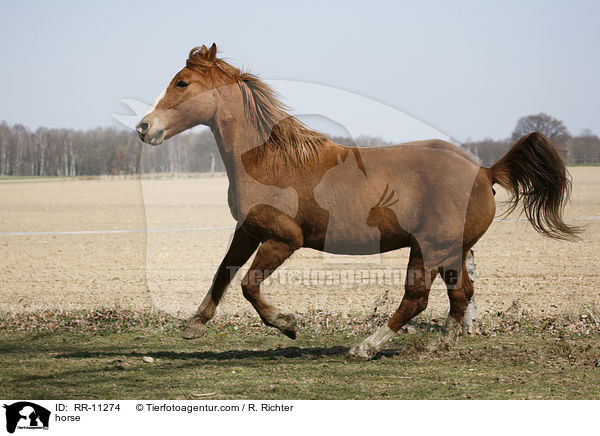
x=171, y=270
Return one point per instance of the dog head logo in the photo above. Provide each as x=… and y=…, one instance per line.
x=26, y=415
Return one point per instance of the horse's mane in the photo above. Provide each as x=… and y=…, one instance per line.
x=276, y=128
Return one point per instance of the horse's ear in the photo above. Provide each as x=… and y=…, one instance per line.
x=212, y=53
x=203, y=50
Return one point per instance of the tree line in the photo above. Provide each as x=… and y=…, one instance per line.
x=101, y=151
x=110, y=151
x=583, y=149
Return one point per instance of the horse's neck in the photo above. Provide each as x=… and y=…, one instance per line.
x=257, y=175
x=235, y=135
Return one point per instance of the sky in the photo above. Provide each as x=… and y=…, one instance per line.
x=467, y=69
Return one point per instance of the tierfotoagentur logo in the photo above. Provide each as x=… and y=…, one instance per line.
x=25, y=415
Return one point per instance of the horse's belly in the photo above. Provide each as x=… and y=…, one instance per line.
x=357, y=240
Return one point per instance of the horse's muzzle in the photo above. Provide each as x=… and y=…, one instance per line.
x=149, y=135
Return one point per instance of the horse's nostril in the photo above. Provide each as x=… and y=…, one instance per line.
x=142, y=127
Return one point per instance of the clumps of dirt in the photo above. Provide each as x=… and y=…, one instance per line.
x=552, y=352
x=109, y=320
x=550, y=325
x=513, y=313
x=312, y=322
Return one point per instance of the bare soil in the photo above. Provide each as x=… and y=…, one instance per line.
x=171, y=270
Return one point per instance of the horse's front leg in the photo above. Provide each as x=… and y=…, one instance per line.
x=271, y=254
x=241, y=248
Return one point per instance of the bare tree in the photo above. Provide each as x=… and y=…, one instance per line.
x=4, y=145
x=585, y=148
x=543, y=123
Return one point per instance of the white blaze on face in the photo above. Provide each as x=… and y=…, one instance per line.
x=156, y=101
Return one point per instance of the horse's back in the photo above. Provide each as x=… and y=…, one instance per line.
x=424, y=144
x=440, y=189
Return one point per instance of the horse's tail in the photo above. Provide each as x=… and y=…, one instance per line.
x=535, y=174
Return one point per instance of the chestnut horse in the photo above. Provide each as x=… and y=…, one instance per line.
x=291, y=187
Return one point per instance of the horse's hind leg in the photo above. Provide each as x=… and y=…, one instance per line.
x=460, y=292
x=418, y=283
x=241, y=248
x=470, y=317
x=271, y=254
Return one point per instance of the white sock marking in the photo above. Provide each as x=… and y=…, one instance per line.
x=381, y=336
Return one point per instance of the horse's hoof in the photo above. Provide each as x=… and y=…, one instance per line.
x=289, y=333
x=362, y=352
x=287, y=324
x=193, y=330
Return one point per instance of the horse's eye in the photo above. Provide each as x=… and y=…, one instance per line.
x=182, y=84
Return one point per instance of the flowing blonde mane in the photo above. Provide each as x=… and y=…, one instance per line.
x=276, y=128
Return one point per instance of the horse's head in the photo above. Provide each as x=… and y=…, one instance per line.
x=190, y=98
